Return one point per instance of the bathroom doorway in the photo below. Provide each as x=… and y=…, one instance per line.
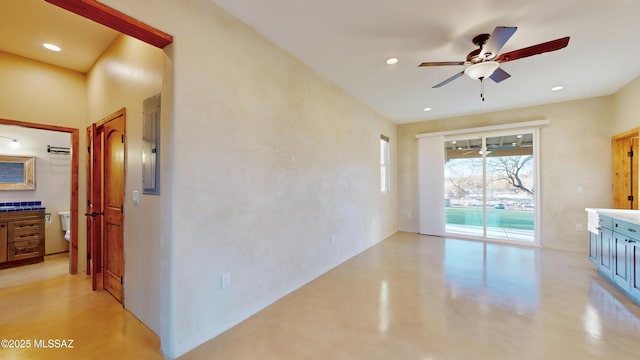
x=73, y=200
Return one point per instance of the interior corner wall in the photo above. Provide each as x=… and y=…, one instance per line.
x=575, y=163
x=35, y=92
x=626, y=108
x=127, y=73
x=269, y=160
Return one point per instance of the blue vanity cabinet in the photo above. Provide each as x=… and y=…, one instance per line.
x=601, y=242
x=593, y=228
x=634, y=267
x=621, y=273
x=614, y=247
x=626, y=255
x=593, y=246
x=605, y=255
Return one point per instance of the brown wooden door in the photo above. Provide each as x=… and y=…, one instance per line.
x=94, y=210
x=624, y=150
x=113, y=198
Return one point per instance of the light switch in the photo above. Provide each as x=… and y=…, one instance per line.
x=136, y=197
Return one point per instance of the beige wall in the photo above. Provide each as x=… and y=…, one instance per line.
x=35, y=92
x=53, y=178
x=575, y=152
x=626, y=108
x=268, y=160
x=40, y=93
x=128, y=72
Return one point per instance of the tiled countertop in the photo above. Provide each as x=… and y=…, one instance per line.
x=21, y=206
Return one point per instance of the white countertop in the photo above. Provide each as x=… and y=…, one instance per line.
x=625, y=215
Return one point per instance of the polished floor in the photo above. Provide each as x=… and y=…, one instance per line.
x=409, y=297
x=417, y=297
x=42, y=302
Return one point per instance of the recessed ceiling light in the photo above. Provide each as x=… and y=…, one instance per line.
x=454, y=142
x=557, y=88
x=392, y=61
x=519, y=136
x=427, y=109
x=51, y=47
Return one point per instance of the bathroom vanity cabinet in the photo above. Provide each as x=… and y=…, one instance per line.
x=614, y=247
x=21, y=237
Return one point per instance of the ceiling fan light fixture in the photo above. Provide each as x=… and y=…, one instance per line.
x=481, y=70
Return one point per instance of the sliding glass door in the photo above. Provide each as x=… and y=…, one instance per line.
x=463, y=186
x=490, y=186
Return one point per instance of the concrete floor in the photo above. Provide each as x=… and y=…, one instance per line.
x=409, y=297
x=419, y=297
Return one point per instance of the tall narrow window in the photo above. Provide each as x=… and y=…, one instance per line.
x=384, y=163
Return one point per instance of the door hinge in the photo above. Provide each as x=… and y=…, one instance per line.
x=121, y=280
x=122, y=137
x=630, y=154
x=89, y=149
x=88, y=256
x=630, y=197
x=88, y=203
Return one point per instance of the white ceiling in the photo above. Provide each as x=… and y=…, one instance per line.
x=26, y=24
x=347, y=41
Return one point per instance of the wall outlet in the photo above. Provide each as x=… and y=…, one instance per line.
x=225, y=280
x=333, y=238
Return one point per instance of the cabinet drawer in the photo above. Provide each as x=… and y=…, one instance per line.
x=24, y=250
x=25, y=227
x=626, y=228
x=596, y=221
x=605, y=221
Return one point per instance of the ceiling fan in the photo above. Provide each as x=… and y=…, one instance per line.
x=485, y=61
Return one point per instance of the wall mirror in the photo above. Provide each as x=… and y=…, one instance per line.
x=17, y=173
x=151, y=146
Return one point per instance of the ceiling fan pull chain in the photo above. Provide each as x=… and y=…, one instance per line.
x=482, y=89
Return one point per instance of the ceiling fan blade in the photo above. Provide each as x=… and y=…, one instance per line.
x=534, y=50
x=449, y=80
x=499, y=75
x=442, y=63
x=499, y=37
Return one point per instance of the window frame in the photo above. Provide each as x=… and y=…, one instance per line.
x=384, y=164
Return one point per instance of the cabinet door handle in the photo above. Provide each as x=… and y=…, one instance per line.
x=598, y=227
x=632, y=230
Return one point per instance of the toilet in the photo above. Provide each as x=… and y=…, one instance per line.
x=65, y=222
